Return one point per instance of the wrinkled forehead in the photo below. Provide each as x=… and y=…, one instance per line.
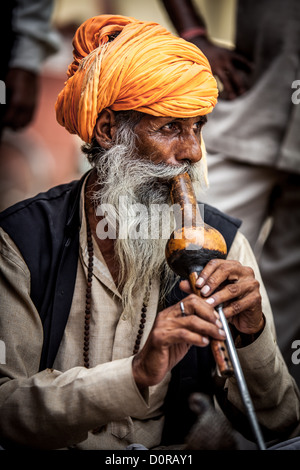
x=149, y=119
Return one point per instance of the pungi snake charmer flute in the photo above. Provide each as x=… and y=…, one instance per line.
x=190, y=247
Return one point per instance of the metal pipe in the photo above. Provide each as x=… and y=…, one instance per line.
x=241, y=380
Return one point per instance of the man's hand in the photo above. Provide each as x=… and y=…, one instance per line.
x=231, y=68
x=235, y=286
x=171, y=337
x=22, y=92
x=221, y=281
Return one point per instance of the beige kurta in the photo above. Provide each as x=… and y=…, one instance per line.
x=61, y=407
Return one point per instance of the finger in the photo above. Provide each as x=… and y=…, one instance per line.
x=202, y=327
x=195, y=305
x=187, y=330
x=250, y=304
x=185, y=286
x=190, y=338
x=232, y=291
x=199, y=317
x=217, y=272
x=199, y=340
x=180, y=310
x=239, y=73
x=239, y=80
x=225, y=77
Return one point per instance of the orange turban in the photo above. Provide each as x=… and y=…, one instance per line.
x=144, y=68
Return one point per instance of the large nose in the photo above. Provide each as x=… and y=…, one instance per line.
x=189, y=148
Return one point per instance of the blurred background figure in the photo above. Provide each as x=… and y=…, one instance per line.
x=35, y=153
x=29, y=40
x=253, y=138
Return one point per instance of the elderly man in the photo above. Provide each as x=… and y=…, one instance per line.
x=98, y=353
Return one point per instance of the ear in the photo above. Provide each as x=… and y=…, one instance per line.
x=105, y=128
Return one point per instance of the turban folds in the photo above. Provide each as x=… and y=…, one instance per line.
x=125, y=64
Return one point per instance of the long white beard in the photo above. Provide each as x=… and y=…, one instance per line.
x=134, y=200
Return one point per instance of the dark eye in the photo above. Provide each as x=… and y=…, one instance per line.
x=170, y=126
x=198, y=125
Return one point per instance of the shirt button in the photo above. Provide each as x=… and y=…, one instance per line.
x=124, y=317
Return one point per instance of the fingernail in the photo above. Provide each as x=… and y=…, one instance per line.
x=222, y=332
x=211, y=300
x=199, y=281
x=205, y=290
x=205, y=340
x=219, y=324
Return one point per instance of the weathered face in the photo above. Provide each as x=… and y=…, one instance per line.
x=170, y=140
x=139, y=156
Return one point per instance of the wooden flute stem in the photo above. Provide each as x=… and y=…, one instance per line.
x=219, y=348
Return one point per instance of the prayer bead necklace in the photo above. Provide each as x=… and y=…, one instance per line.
x=88, y=297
